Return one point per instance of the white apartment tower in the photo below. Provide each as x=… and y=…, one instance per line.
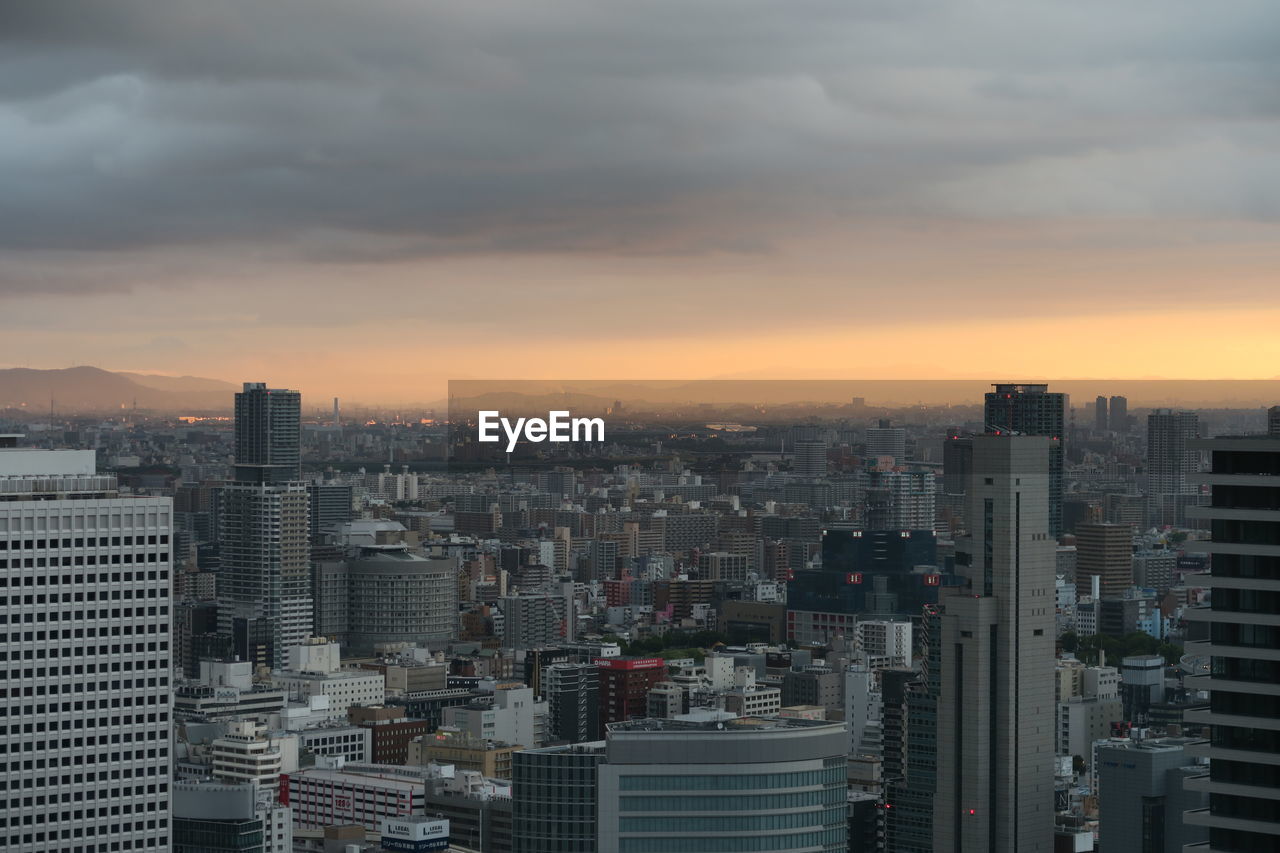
x=84, y=647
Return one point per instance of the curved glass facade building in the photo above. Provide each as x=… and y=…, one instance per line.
x=723, y=786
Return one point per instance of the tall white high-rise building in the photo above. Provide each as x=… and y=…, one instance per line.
x=995, y=723
x=84, y=648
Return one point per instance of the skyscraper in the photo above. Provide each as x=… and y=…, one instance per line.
x=85, y=652
x=1100, y=414
x=553, y=796
x=268, y=433
x=1170, y=458
x=572, y=691
x=810, y=459
x=864, y=572
x=995, y=730
x=1244, y=640
x=1118, y=420
x=1030, y=409
x=264, y=586
x=1104, y=550
x=886, y=440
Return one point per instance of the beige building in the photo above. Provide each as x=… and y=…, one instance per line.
x=996, y=703
x=492, y=759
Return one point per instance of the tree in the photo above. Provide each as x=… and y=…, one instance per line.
x=1069, y=641
x=1170, y=652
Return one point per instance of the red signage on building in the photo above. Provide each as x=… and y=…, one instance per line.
x=853, y=577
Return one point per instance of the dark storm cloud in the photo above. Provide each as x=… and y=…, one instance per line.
x=405, y=128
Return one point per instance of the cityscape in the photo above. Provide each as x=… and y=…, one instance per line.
x=678, y=426
x=1029, y=623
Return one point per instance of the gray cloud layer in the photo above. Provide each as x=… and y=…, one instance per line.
x=391, y=129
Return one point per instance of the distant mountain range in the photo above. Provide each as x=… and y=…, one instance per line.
x=91, y=389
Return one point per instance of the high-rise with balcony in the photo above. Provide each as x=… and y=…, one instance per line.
x=995, y=710
x=85, y=657
x=1032, y=409
x=268, y=430
x=1170, y=459
x=1243, y=619
x=264, y=586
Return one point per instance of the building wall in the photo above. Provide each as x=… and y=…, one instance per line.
x=672, y=789
x=109, y=557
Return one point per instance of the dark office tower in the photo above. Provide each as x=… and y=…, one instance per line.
x=1273, y=421
x=1118, y=419
x=553, y=792
x=1100, y=414
x=877, y=573
x=909, y=816
x=1244, y=629
x=268, y=433
x=1029, y=409
x=957, y=461
x=810, y=459
x=572, y=691
x=330, y=507
x=1104, y=550
x=536, y=662
x=995, y=730
x=1170, y=459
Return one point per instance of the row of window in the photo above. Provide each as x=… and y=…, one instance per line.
x=736, y=823
x=760, y=802
x=698, y=782
x=82, y=542
x=83, y=651
x=80, y=616
x=83, y=560
x=83, y=687
x=30, y=781
x=113, y=704
x=85, y=577
x=825, y=838
x=114, y=793
x=89, y=756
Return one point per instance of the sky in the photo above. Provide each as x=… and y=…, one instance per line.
x=367, y=199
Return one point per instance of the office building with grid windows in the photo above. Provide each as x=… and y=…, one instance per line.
x=85, y=757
